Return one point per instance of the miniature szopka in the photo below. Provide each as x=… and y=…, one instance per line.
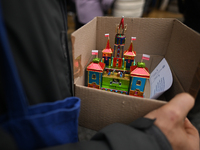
x=117, y=71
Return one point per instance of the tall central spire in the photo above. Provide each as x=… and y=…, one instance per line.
x=122, y=23
x=121, y=28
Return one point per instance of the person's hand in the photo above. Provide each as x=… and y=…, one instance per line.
x=172, y=121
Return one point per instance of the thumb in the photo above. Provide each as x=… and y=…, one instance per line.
x=189, y=128
x=180, y=105
x=192, y=134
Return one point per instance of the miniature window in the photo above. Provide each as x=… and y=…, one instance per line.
x=94, y=76
x=138, y=83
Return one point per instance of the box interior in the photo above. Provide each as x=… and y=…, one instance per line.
x=159, y=38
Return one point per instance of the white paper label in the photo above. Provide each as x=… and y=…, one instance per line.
x=161, y=79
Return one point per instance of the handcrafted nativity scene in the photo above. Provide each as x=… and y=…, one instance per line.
x=117, y=71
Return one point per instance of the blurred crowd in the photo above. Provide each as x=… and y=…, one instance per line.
x=86, y=10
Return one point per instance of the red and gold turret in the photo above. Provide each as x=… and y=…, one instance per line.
x=107, y=52
x=129, y=55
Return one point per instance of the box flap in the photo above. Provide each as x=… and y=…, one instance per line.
x=82, y=51
x=100, y=108
x=183, y=54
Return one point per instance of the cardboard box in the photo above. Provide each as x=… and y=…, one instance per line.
x=159, y=38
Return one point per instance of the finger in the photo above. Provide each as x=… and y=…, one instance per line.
x=189, y=128
x=179, y=106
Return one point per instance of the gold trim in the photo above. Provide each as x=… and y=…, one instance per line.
x=144, y=86
x=119, y=45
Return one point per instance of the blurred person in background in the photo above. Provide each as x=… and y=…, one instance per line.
x=191, y=11
x=86, y=10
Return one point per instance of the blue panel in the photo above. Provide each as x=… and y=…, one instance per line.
x=106, y=61
x=128, y=64
x=94, y=80
x=141, y=87
x=119, y=40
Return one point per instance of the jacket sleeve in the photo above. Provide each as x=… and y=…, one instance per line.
x=141, y=134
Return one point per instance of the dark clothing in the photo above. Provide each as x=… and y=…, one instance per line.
x=142, y=134
x=190, y=10
x=37, y=32
x=6, y=141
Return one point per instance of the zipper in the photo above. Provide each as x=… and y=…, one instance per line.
x=67, y=54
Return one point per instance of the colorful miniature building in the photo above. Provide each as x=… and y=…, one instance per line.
x=139, y=74
x=107, y=52
x=95, y=70
x=117, y=71
x=129, y=55
x=117, y=59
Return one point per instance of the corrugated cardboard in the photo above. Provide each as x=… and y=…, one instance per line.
x=159, y=38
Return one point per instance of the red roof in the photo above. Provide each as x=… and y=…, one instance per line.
x=126, y=53
x=130, y=51
x=108, y=49
x=139, y=72
x=98, y=67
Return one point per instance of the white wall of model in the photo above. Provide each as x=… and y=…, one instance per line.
x=128, y=8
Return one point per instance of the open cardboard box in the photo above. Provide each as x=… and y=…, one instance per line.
x=159, y=38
